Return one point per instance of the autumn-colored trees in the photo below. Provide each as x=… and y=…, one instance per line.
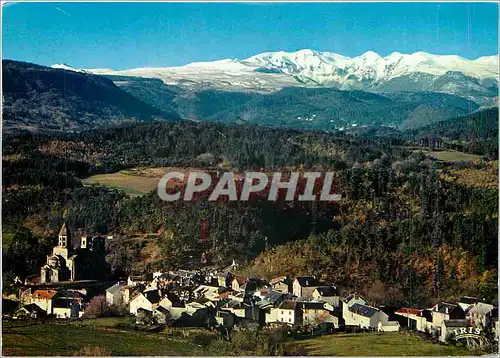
x=403, y=227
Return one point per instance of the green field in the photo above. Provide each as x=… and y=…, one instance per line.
x=135, y=181
x=70, y=339
x=452, y=156
x=133, y=185
x=376, y=344
x=107, y=336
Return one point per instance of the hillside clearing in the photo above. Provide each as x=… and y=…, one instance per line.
x=135, y=181
x=452, y=156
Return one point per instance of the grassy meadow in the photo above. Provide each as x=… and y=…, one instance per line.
x=376, y=344
x=135, y=181
x=115, y=336
x=99, y=337
x=452, y=156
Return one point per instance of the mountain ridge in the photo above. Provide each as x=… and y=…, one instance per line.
x=38, y=97
x=58, y=99
x=271, y=71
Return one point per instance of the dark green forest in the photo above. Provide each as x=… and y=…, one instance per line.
x=407, y=224
x=41, y=97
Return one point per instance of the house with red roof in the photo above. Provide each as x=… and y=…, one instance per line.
x=43, y=299
x=418, y=319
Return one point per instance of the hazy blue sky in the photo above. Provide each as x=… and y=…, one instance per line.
x=128, y=35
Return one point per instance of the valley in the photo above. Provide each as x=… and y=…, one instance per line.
x=100, y=99
x=97, y=262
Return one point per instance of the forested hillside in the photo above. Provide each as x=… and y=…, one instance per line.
x=476, y=133
x=42, y=98
x=313, y=108
x=37, y=97
x=402, y=214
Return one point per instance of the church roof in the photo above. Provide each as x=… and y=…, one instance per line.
x=64, y=230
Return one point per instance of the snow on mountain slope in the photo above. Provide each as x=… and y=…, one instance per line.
x=271, y=71
x=325, y=66
x=96, y=71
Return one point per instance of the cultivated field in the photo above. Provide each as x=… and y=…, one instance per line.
x=452, y=156
x=135, y=181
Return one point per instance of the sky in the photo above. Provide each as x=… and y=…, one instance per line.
x=131, y=35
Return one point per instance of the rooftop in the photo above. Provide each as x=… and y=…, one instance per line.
x=288, y=305
x=456, y=323
x=408, y=311
x=363, y=310
x=445, y=307
x=467, y=300
x=64, y=230
x=240, y=279
x=44, y=294
x=31, y=308
x=307, y=281
x=311, y=305
x=327, y=291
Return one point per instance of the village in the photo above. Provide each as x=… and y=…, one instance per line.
x=218, y=298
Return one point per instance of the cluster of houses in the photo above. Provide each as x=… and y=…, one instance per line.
x=444, y=318
x=59, y=303
x=188, y=298
x=220, y=298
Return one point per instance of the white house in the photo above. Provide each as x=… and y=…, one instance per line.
x=481, y=314
x=445, y=311
x=281, y=284
x=314, y=313
x=237, y=308
x=43, y=299
x=68, y=304
x=348, y=302
x=327, y=294
x=418, y=319
x=364, y=316
x=145, y=300
x=171, y=300
x=238, y=283
x=119, y=294
x=467, y=302
x=304, y=285
x=113, y=295
x=287, y=312
x=71, y=309
x=31, y=310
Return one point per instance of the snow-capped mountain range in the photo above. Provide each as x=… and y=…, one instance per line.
x=271, y=71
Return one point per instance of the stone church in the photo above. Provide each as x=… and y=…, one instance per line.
x=70, y=262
